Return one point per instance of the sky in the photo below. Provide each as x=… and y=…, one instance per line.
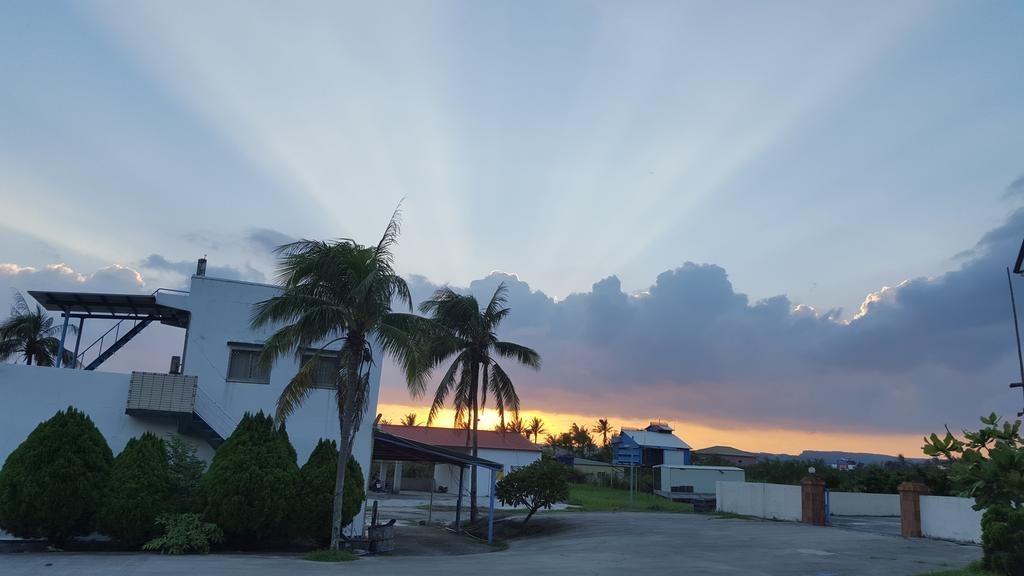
x=778, y=226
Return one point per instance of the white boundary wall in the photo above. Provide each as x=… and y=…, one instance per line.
x=863, y=504
x=950, y=518
x=775, y=501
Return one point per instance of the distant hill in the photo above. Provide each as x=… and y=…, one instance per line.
x=831, y=456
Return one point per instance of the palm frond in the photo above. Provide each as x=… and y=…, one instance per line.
x=525, y=356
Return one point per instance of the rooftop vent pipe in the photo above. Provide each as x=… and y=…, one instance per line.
x=201, y=267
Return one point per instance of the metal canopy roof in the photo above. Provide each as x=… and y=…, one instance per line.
x=110, y=306
x=390, y=447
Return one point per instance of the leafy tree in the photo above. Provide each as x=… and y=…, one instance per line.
x=539, y=485
x=139, y=490
x=409, y=419
x=339, y=293
x=468, y=339
x=316, y=492
x=604, y=429
x=514, y=426
x=989, y=463
x=185, y=534
x=52, y=485
x=32, y=335
x=186, y=470
x=536, y=428
x=250, y=488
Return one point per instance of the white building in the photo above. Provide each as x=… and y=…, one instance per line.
x=687, y=483
x=217, y=382
x=511, y=450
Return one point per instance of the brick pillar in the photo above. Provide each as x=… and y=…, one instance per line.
x=910, y=508
x=812, y=501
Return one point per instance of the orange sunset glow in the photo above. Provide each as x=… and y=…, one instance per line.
x=752, y=439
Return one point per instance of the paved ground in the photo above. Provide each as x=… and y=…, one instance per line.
x=875, y=524
x=589, y=543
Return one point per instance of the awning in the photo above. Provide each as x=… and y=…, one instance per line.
x=110, y=306
x=390, y=447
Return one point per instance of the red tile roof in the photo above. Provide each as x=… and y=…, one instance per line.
x=454, y=438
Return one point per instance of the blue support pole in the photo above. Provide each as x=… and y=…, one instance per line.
x=490, y=518
x=63, y=335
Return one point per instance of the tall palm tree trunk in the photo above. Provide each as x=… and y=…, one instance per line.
x=346, y=412
x=473, y=512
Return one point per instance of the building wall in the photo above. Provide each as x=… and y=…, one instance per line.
x=221, y=311
x=33, y=394
x=950, y=518
x=774, y=501
x=703, y=480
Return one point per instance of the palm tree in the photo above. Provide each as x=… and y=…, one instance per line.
x=408, y=420
x=604, y=429
x=536, y=428
x=336, y=299
x=514, y=426
x=580, y=439
x=32, y=335
x=465, y=334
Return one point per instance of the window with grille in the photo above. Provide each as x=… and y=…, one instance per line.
x=243, y=366
x=326, y=373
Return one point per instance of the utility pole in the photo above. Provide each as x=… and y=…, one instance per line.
x=1016, y=326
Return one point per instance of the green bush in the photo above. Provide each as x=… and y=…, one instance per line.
x=250, y=487
x=990, y=463
x=186, y=473
x=539, y=485
x=139, y=490
x=184, y=534
x=1002, y=540
x=52, y=485
x=316, y=493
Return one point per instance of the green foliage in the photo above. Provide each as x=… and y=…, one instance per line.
x=185, y=534
x=316, y=493
x=52, y=485
x=138, y=491
x=330, y=555
x=186, y=470
x=874, y=478
x=250, y=487
x=539, y=485
x=989, y=463
x=972, y=569
x=32, y=335
x=590, y=498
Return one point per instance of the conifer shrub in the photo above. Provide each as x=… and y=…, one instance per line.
x=53, y=484
x=139, y=490
x=249, y=489
x=315, y=505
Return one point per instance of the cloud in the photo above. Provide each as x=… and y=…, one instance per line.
x=919, y=354
x=183, y=269
x=266, y=240
x=1016, y=188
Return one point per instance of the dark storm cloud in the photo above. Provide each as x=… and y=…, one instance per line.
x=926, y=352
x=266, y=239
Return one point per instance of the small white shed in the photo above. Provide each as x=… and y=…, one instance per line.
x=679, y=482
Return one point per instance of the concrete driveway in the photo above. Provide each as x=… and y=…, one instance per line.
x=588, y=543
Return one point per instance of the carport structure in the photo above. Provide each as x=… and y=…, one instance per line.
x=390, y=447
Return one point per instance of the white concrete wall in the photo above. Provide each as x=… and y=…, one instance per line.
x=863, y=504
x=33, y=394
x=674, y=457
x=775, y=501
x=950, y=518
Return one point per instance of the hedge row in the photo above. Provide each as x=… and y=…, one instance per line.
x=63, y=482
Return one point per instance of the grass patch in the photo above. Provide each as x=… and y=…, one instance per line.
x=972, y=569
x=330, y=556
x=590, y=498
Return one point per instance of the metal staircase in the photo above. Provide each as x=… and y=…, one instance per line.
x=178, y=396
x=119, y=340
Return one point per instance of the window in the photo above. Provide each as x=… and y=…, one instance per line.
x=243, y=366
x=326, y=372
